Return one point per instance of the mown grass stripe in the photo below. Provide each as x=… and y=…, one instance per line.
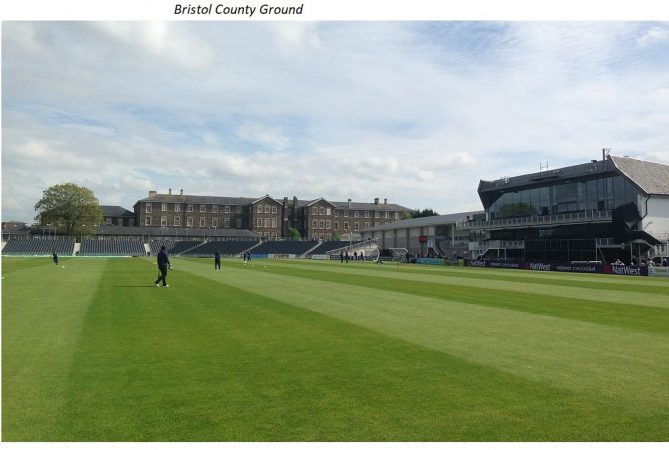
x=633, y=317
x=468, y=278
x=43, y=309
x=579, y=356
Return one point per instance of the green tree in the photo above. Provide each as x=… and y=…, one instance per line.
x=424, y=213
x=335, y=237
x=295, y=233
x=72, y=208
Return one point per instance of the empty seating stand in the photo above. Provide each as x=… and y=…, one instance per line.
x=111, y=247
x=297, y=248
x=39, y=246
x=225, y=248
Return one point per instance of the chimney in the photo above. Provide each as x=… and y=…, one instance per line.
x=152, y=193
x=349, y=202
x=169, y=191
x=376, y=201
x=182, y=192
x=385, y=201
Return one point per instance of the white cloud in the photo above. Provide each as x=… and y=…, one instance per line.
x=413, y=112
x=654, y=35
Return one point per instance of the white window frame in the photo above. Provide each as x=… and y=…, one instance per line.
x=214, y=208
x=147, y=221
x=314, y=210
x=259, y=209
x=346, y=226
x=177, y=207
x=163, y=221
x=273, y=222
x=163, y=207
x=314, y=224
x=148, y=208
x=226, y=222
x=267, y=222
x=274, y=210
x=259, y=222
x=366, y=214
x=356, y=226
x=328, y=224
x=189, y=208
x=203, y=208
x=376, y=214
x=177, y=221
x=214, y=222
x=267, y=209
x=189, y=222
x=226, y=209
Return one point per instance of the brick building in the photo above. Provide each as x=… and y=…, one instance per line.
x=266, y=216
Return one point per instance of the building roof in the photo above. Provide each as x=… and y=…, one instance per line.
x=116, y=211
x=207, y=199
x=198, y=199
x=444, y=219
x=650, y=177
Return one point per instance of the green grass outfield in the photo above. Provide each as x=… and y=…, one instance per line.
x=324, y=351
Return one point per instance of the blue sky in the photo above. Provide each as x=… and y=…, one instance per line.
x=416, y=112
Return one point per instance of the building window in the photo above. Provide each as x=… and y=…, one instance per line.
x=328, y=211
x=163, y=207
x=328, y=224
x=346, y=225
x=202, y=224
x=314, y=224
x=321, y=224
x=346, y=213
x=108, y=221
x=226, y=222
x=177, y=207
x=274, y=210
x=259, y=209
x=259, y=223
x=386, y=214
x=328, y=236
x=148, y=207
x=203, y=208
x=267, y=222
x=366, y=214
x=267, y=209
x=355, y=214
x=177, y=221
x=273, y=222
x=238, y=222
x=397, y=215
x=314, y=210
x=376, y=214
x=147, y=221
x=321, y=211
x=214, y=209
x=214, y=222
x=189, y=222
x=356, y=226
x=336, y=225
x=366, y=224
x=163, y=221
x=226, y=209
x=189, y=208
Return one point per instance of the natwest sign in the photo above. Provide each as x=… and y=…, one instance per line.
x=629, y=270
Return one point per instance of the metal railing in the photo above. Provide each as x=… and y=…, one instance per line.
x=599, y=216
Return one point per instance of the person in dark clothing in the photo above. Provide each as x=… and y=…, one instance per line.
x=217, y=260
x=163, y=265
x=55, y=258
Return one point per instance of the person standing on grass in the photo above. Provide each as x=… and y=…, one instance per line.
x=163, y=265
x=217, y=260
x=55, y=258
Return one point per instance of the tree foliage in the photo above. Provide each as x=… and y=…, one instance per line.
x=72, y=208
x=335, y=237
x=295, y=233
x=423, y=213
